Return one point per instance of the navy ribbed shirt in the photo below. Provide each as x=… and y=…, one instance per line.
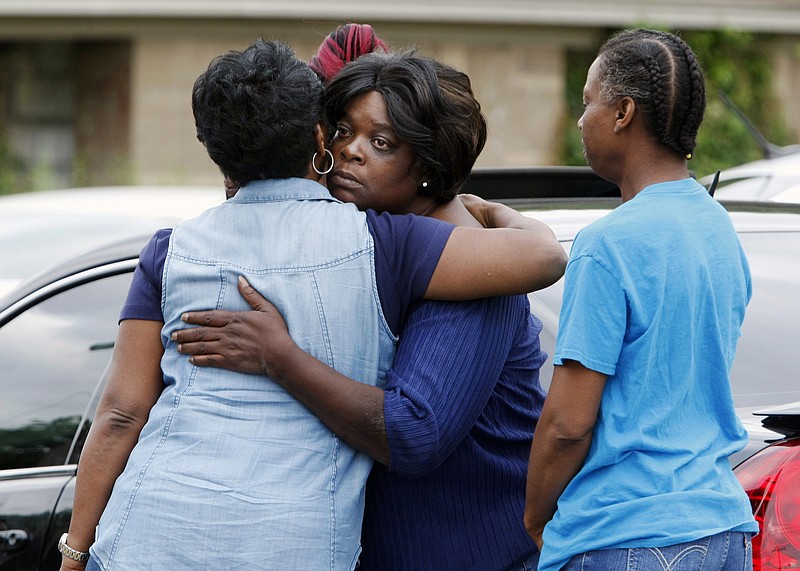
x=462, y=401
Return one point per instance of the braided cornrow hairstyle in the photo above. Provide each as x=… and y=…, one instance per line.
x=660, y=72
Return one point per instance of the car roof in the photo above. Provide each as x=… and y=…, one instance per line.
x=112, y=252
x=567, y=216
x=156, y=201
x=38, y=228
x=774, y=179
x=788, y=164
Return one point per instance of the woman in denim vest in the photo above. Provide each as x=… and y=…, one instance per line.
x=451, y=430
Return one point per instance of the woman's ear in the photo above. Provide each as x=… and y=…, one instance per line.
x=624, y=113
x=321, y=134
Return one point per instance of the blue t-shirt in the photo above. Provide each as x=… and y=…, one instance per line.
x=654, y=297
x=407, y=249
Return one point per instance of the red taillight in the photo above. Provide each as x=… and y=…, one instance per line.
x=771, y=479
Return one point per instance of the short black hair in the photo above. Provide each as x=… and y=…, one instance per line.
x=256, y=111
x=660, y=72
x=431, y=106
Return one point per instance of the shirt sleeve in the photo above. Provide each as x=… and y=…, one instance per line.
x=447, y=364
x=593, y=317
x=144, y=295
x=407, y=250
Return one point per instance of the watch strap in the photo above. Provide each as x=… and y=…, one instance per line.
x=74, y=554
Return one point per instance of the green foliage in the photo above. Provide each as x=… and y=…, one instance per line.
x=736, y=64
x=10, y=170
x=17, y=176
x=578, y=64
x=37, y=443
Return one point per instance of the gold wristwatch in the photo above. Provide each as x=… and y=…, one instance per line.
x=74, y=554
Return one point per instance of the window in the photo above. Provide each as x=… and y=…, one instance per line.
x=53, y=355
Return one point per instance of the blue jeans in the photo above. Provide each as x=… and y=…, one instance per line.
x=727, y=551
x=529, y=564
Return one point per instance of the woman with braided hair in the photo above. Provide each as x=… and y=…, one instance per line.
x=629, y=464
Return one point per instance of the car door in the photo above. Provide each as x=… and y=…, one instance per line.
x=55, y=346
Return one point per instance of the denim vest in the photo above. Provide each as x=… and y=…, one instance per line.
x=230, y=471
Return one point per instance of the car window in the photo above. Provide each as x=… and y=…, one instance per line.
x=52, y=356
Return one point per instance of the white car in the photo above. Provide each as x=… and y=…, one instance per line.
x=775, y=179
x=38, y=228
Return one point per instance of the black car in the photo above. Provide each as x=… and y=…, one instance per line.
x=57, y=332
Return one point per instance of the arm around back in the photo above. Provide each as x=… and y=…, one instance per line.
x=515, y=254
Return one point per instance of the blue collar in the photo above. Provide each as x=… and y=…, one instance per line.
x=281, y=189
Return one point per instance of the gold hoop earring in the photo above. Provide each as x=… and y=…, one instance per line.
x=314, y=163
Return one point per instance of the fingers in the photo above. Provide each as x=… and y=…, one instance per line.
x=471, y=200
x=195, y=348
x=194, y=334
x=202, y=354
x=251, y=295
x=212, y=355
x=208, y=361
x=212, y=318
x=220, y=318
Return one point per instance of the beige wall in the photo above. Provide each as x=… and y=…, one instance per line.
x=787, y=81
x=165, y=64
x=518, y=74
x=518, y=78
x=164, y=149
x=520, y=87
